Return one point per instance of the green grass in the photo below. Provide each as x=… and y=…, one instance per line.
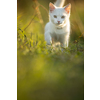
x=45, y=73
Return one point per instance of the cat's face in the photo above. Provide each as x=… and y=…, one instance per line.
x=59, y=16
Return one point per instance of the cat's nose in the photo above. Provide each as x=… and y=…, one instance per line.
x=58, y=22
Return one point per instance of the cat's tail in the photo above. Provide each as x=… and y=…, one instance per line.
x=59, y=3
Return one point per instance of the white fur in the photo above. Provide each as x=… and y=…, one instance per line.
x=55, y=32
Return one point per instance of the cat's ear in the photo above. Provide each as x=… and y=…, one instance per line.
x=51, y=7
x=67, y=8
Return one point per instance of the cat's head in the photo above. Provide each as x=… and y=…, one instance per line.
x=59, y=16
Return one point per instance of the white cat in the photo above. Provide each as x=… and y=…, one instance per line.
x=58, y=28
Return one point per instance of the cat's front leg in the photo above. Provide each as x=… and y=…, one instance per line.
x=64, y=41
x=48, y=38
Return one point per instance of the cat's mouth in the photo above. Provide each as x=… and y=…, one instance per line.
x=58, y=24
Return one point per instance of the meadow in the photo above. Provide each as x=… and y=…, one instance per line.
x=44, y=73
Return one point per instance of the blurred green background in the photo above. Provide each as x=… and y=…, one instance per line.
x=44, y=73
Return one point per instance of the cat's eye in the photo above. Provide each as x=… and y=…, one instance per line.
x=62, y=16
x=55, y=16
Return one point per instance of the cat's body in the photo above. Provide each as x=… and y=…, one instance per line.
x=58, y=28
